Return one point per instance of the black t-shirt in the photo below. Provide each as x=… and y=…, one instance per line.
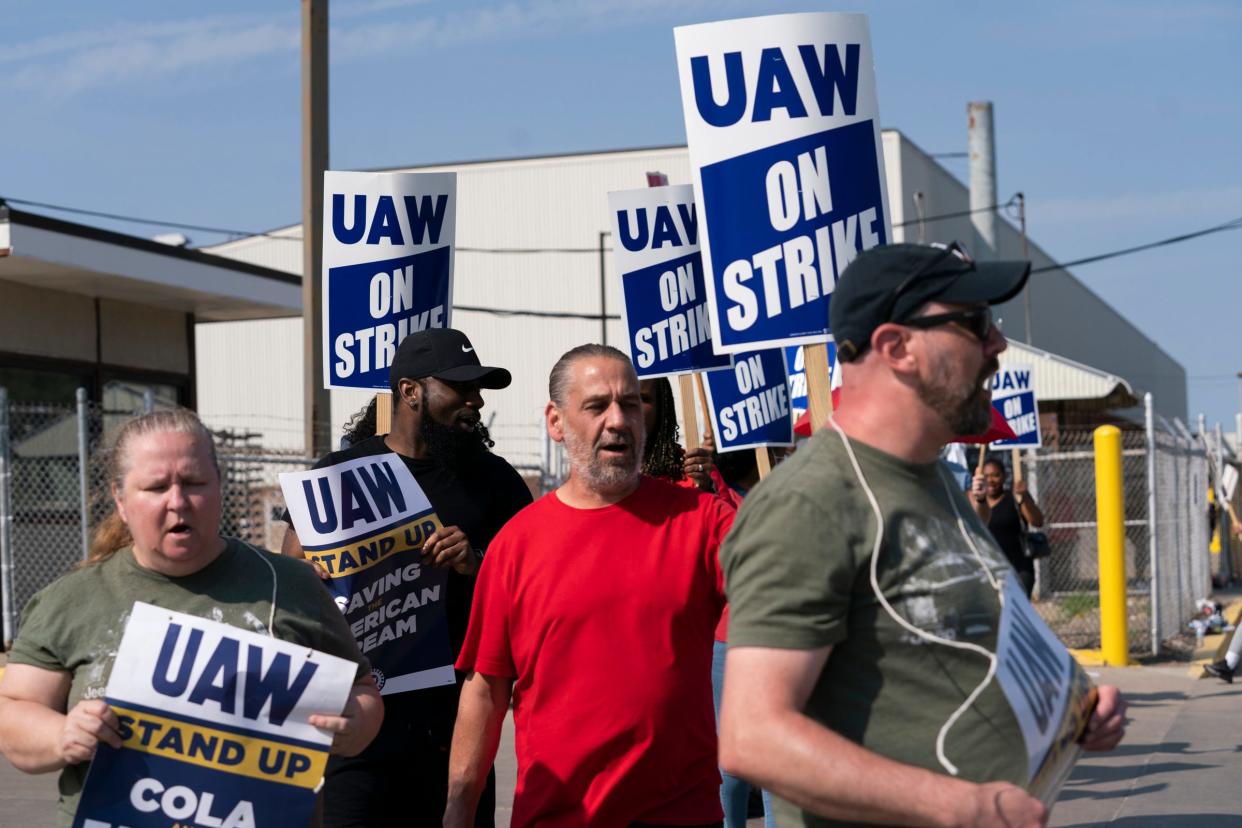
x=479, y=497
x=1005, y=525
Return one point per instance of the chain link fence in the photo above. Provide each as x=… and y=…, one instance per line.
x=1168, y=566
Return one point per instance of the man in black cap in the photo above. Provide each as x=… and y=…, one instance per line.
x=436, y=381
x=865, y=678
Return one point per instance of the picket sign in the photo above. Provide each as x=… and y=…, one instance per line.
x=782, y=128
x=387, y=268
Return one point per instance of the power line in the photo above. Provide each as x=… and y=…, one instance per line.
x=244, y=234
x=594, y=317
x=1234, y=224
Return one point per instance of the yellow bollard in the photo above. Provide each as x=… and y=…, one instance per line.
x=1110, y=516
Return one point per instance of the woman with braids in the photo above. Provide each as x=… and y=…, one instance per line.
x=663, y=456
x=161, y=546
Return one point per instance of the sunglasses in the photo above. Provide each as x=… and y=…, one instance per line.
x=975, y=321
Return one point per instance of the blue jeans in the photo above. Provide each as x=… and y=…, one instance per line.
x=734, y=791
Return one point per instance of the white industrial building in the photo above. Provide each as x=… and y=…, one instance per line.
x=532, y=236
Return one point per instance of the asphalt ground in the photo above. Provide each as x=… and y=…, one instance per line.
x=1180, y=765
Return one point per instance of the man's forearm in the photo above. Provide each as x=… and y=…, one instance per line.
x=854, y=784
x=476, y=737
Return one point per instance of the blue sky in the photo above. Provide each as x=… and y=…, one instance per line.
x=1119, y=120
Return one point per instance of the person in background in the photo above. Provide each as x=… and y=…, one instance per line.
x=664, y=456
x=437, y=384
x=162, y=546
x=594, y=616
x=1010, y=513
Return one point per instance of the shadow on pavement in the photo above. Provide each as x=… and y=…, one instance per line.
x=1070, y=794
x=1086, y=774
x=1170, y=821
x=1151, y=699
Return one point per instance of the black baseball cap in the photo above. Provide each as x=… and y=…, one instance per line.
x=890, y=282
x=443, y=353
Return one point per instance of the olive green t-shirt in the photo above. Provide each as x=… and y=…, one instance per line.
x=797, y=566
x=75, y=623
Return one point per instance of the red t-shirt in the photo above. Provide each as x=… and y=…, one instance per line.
x=604, y=619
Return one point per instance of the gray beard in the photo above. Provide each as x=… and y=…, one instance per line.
x=602, y=478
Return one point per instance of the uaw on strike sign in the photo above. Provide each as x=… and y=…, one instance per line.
x=387, y=268
x=664, y=297
x=213, y=721
x=750, y=404
x=1013, y=395
x=365, y=522
x=783, y=130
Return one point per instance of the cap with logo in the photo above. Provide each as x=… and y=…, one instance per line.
x=889, y=283
x=446, y=354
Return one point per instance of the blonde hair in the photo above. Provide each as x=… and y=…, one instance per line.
x=112, y=533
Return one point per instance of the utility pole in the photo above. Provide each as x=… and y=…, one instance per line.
x=316, y=408
x=982, y=145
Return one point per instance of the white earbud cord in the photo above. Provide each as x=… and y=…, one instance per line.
x=923, y=634
x=271, y=615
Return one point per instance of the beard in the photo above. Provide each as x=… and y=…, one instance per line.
x=604, y=475
x=965, y=408
x=450, y=446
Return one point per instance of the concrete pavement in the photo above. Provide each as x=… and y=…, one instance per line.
x=1180, y=766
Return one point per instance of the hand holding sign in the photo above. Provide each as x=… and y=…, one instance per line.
x=353, y=729
x=1107, y=725
x=448, y=546
x=90, y=722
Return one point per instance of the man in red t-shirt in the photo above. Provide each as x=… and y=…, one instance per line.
x=594, y=612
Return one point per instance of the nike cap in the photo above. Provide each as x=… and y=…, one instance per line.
x=443, y=353
x=891, y=282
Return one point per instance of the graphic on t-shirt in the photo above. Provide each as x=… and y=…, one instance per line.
x=365, y=522
x=214, y=725
x=935, y=564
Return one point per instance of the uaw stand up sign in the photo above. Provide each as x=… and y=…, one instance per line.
x=784, y=138
x=387, y=268
x=365, y=522
x=214, y=727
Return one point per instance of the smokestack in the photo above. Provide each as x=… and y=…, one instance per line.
x=982, y=145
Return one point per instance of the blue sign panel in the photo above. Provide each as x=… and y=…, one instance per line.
x=794, y=364
x=1013, y=395
x=750, y=404
x=776, y=262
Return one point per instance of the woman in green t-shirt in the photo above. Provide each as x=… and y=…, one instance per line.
x=161, y=545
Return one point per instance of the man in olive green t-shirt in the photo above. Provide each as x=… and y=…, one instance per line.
x=865, y=594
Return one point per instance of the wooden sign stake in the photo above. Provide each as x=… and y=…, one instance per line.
x=763, y=459
x=1016, y=458
x=818, y=383
x=689, y=418
x=383, y=412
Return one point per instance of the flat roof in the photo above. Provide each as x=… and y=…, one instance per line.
x=55, y=254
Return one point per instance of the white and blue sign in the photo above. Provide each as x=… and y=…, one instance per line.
x=750, y=404
x=664, y=297
x=784, y=138
x=1013, y=395
x=365, y=522
x=796, y=366
x=387, y=268
x=214, y=724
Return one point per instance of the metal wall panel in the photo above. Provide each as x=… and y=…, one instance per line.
x=560, y=202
